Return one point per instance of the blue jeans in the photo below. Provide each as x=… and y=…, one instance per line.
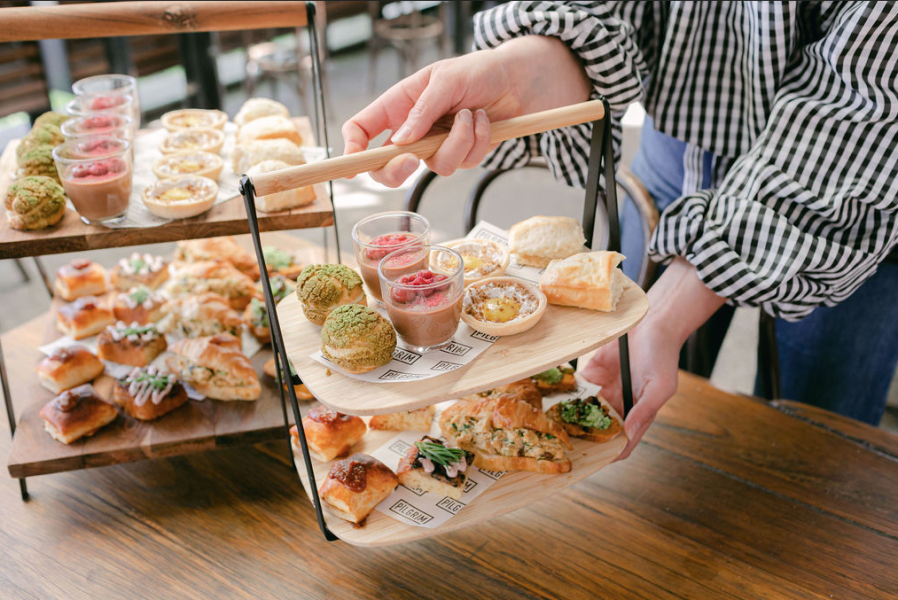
x=841, y=358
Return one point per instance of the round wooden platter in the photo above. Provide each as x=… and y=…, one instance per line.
x=513, y=491
x=562, y=334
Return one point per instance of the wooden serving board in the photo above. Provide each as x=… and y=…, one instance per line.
x=562, y=334
x=513, y=491
x=225, y=218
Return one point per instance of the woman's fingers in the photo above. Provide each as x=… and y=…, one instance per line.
x=397, y=170
x=658, y=389
x=481, y=140
x=455, y=149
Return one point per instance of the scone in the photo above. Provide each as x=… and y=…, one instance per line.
x=252, y=153
x=256, y=108
x=357, y=339
x=322, y=288
x=586, y=280
x=269, y=128
x=539, y=240
x=34, y=202
x=280, y=200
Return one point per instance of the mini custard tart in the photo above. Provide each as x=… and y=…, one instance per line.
x=194, y=118
x=502, y=305
x=193, y=140
x=482, y=258
x=201, y=164
x=180, y=198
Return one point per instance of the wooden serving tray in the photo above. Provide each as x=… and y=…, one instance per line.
x=562, y=334
x=513, y=491
x=226, y=218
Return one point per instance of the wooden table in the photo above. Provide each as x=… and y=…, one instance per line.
x=725, y=498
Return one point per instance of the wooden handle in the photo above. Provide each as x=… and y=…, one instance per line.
x=108, y=19
x=371, y=160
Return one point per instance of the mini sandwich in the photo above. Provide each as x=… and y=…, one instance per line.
x=215, y=367
x=216, y=276
x=431, y=466
x=555, y=380
x=76, y=413
x=507, y=434
x=588, y=418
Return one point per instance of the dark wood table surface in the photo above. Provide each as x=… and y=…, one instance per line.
x=726, y=497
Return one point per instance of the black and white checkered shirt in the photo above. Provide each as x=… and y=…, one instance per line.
x=797, y=100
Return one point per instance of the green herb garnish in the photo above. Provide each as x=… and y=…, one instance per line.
x=158, y=382
x=260, y=314
x=140, y=295
x=276, y=258
x=138, y=264
x=585, y=413
x=139, y=330
x=551, y=377
x=440, y=454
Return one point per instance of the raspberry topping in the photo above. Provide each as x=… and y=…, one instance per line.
x=104, y=102
x=101, y=122
x=389, y=241
x=421, y=278
x=99, y=169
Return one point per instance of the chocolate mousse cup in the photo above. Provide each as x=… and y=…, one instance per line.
x=96, y=173
x=102, y=84
x=424, y=305
x=376, y=236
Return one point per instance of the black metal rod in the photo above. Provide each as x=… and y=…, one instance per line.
x=10, y=415
x=44, y=277
x=249, y=200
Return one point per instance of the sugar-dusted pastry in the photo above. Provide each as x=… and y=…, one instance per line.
x=145, y=270
x=482, y=258
x=432, y=466
x=281, y=261
x=219, y=248
x=588, y=418
x=76, y=413
x=68, y=367
x=200, y=315
x=269, y=128
x=81, y=277
x=280, y=200
x=135, y=345
x=539, y=240
x=256, y=108
x=330, y=434
x=586, y=280
x=215, y=367
x=34, y=202
x=355, y=485
x=201, y=164
x=180, y=198
x=407, y=420
x=193, y=140
x=300, y=389
x=83, y=318
x=322, y=288
x=502, y=305
x=218, y=276
x=148, y=393
x=357, y=338
x=139, y=305
x=257, y=151
x=194, y=118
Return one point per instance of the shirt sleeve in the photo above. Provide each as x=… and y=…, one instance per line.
x=603, y=36
x=805, y=217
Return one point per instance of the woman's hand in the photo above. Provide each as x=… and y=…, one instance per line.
x=463, y=95
x=678, y=304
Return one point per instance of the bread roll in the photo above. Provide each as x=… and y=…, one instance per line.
x=539, y=240
x=67, y=368
x=280, y=200
x=80, y=277
x=255, y=152
x=256, y=108
x=355, y=485
x=76, y=413
x=269, y=128
x=586, y=280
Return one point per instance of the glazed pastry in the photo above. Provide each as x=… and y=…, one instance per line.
x=280, y=200
x=181, y=198
x=38, y=161
x=355, y=485
x=83, y=318
x=194, y=118
x=200, y=315
x=502, y=305
x=80, y=277
x=281, y=261
x=67, y=368
x=34, y=202
x=215, y=367
x=135, y=345
x=588, y=418
x=219, y=248
x=76, y=413
x=322, y=288
x=300, y=389
x=555, y=380
x=407, y=420
x=357, y=339
x=432, y=466
x=138, y=305
x=586, y=280
x=539, y=240
x=193, y=140
x=330, y=434
x=256, y=108
x=252, y=153
x=139, y=270
x=269, y=128
x=201, y=164
x=148, y=393
x=482, y=258
x=219, y=277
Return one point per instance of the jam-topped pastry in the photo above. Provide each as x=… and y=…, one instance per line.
x=148, y=393
x=193, y=140
x=79, y=278
x=330, y=434
x=432, y=466
x=76, y=413
x=482, y=258
x=355, y=485
x=194, y=118
x=134, y=344
x=140, y=270
x=502, y=305
x=181, y=198
x=139, y=305
x=202, y=164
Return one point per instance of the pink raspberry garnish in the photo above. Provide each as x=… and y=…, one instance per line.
x=99, y=169
x=97, y=122
x=104, y=102
x=389, y=242
x=81, y=171
x=421, y=278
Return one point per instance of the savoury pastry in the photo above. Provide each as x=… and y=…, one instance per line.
x=135, y=345
x=83, y=318
x=139, y=270
x=355, y=485
x=502, y=305
x=219, y=248
x=67, y=368
x=432, y=466
x=522, y=391
x=300, y=389
x=281, y=261
x=586, y=280
x=80, y=277
x=215, y=367
x=407, y=420
x=148, y=393
x=330, y=434
x=76, y=413
x=200, y=315
x=538, y=240
x=218, y=276
x=138, y=305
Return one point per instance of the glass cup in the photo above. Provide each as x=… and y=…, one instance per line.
x=93, y=105
x=423, y=302
x=377, y=235
x=104, y=123
x=96, y=174
x=99, y=84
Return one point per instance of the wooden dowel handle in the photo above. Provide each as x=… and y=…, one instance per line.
x=371, y=160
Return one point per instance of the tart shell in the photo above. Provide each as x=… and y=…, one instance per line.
x=217, y=119
x=502, y=250
x=212, y=145
x=517, y=325
x=212, y=170
x=185, y=208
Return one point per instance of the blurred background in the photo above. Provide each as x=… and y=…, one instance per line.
x=367, y=47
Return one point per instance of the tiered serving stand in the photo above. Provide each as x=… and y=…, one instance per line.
x=562, y=334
